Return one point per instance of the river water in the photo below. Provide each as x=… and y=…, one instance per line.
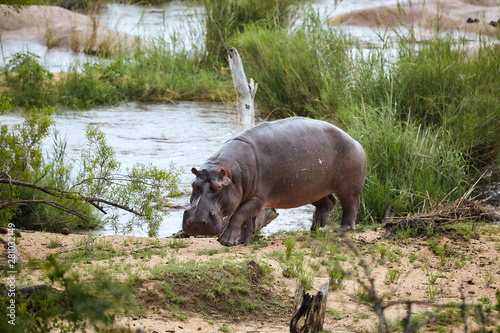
x=176, y=20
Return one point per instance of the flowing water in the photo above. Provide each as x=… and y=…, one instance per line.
x=181, y=21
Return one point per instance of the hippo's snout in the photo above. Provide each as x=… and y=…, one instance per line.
x=208, y=224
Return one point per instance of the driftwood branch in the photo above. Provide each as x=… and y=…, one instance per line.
x=61, y=194
x=245, y=90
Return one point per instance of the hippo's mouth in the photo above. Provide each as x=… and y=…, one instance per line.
x=212, y=227
x=201, y=231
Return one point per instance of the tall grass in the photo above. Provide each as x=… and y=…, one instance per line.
x=447, y=85
x=149, y=74
x=304, y=73
x=409, y=167
x=429, y=119
x=225, y=19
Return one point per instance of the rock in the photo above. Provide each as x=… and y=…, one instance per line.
x=54, y=26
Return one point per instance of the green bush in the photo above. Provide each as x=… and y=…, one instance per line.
x=149, y=74
x=79, y=304
x=89, y=88
x=29, y=82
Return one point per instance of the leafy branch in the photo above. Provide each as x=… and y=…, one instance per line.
x=26, y=178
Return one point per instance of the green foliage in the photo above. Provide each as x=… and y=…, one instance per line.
x=164, y=73
x=88, y=88
x=4, y=104
x=408, y=167
x=289, y=244
x=54, y=243
x=177, y=244
x=393, y=275
x=30, y=82
x=142, y=190
x=224, y=328
x=445, y=84
x=80, y=303
x=21, y=155
x=337, y=276
x=300, y=74
x=225, y=19
x=153, y=73
x=17, y=5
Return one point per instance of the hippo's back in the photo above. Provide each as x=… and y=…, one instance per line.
x=292, y=137
x=302, y=158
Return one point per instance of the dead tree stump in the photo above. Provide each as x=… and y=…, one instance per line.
x=245, y=90
x=308, y=311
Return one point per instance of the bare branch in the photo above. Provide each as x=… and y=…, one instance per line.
x=45, y=202
x=64, y=194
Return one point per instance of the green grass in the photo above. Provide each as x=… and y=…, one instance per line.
x=54, y=243
x=147, y=74
x=225, y=19
x=178, y=244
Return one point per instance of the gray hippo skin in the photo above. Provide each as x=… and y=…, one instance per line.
x=281, y=164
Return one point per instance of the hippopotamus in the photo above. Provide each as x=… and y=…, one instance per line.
x=280, y=164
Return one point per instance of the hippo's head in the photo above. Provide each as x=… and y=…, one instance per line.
x=214, y=196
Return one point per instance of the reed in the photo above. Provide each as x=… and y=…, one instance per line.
x=303, y=74
x=225, y=19
x=409, y=167
x=446, y=84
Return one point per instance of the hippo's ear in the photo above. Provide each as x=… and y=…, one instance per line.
x=225, y=175
x=195, y=171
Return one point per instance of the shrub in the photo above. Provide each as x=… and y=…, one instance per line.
x=29, y=82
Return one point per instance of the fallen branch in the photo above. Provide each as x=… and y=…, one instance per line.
x=444, y=215
x=61, y=194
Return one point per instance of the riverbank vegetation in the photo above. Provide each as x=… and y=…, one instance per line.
x=427, y=114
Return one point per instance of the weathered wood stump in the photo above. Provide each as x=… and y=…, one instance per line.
x=308, y=311
x=245, y=90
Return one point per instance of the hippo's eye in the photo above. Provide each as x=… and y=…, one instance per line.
x=217, y=186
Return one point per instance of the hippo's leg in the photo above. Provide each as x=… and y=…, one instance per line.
x=350, y=206
x=323, y=209
x=246, y=232
x=239, y=228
